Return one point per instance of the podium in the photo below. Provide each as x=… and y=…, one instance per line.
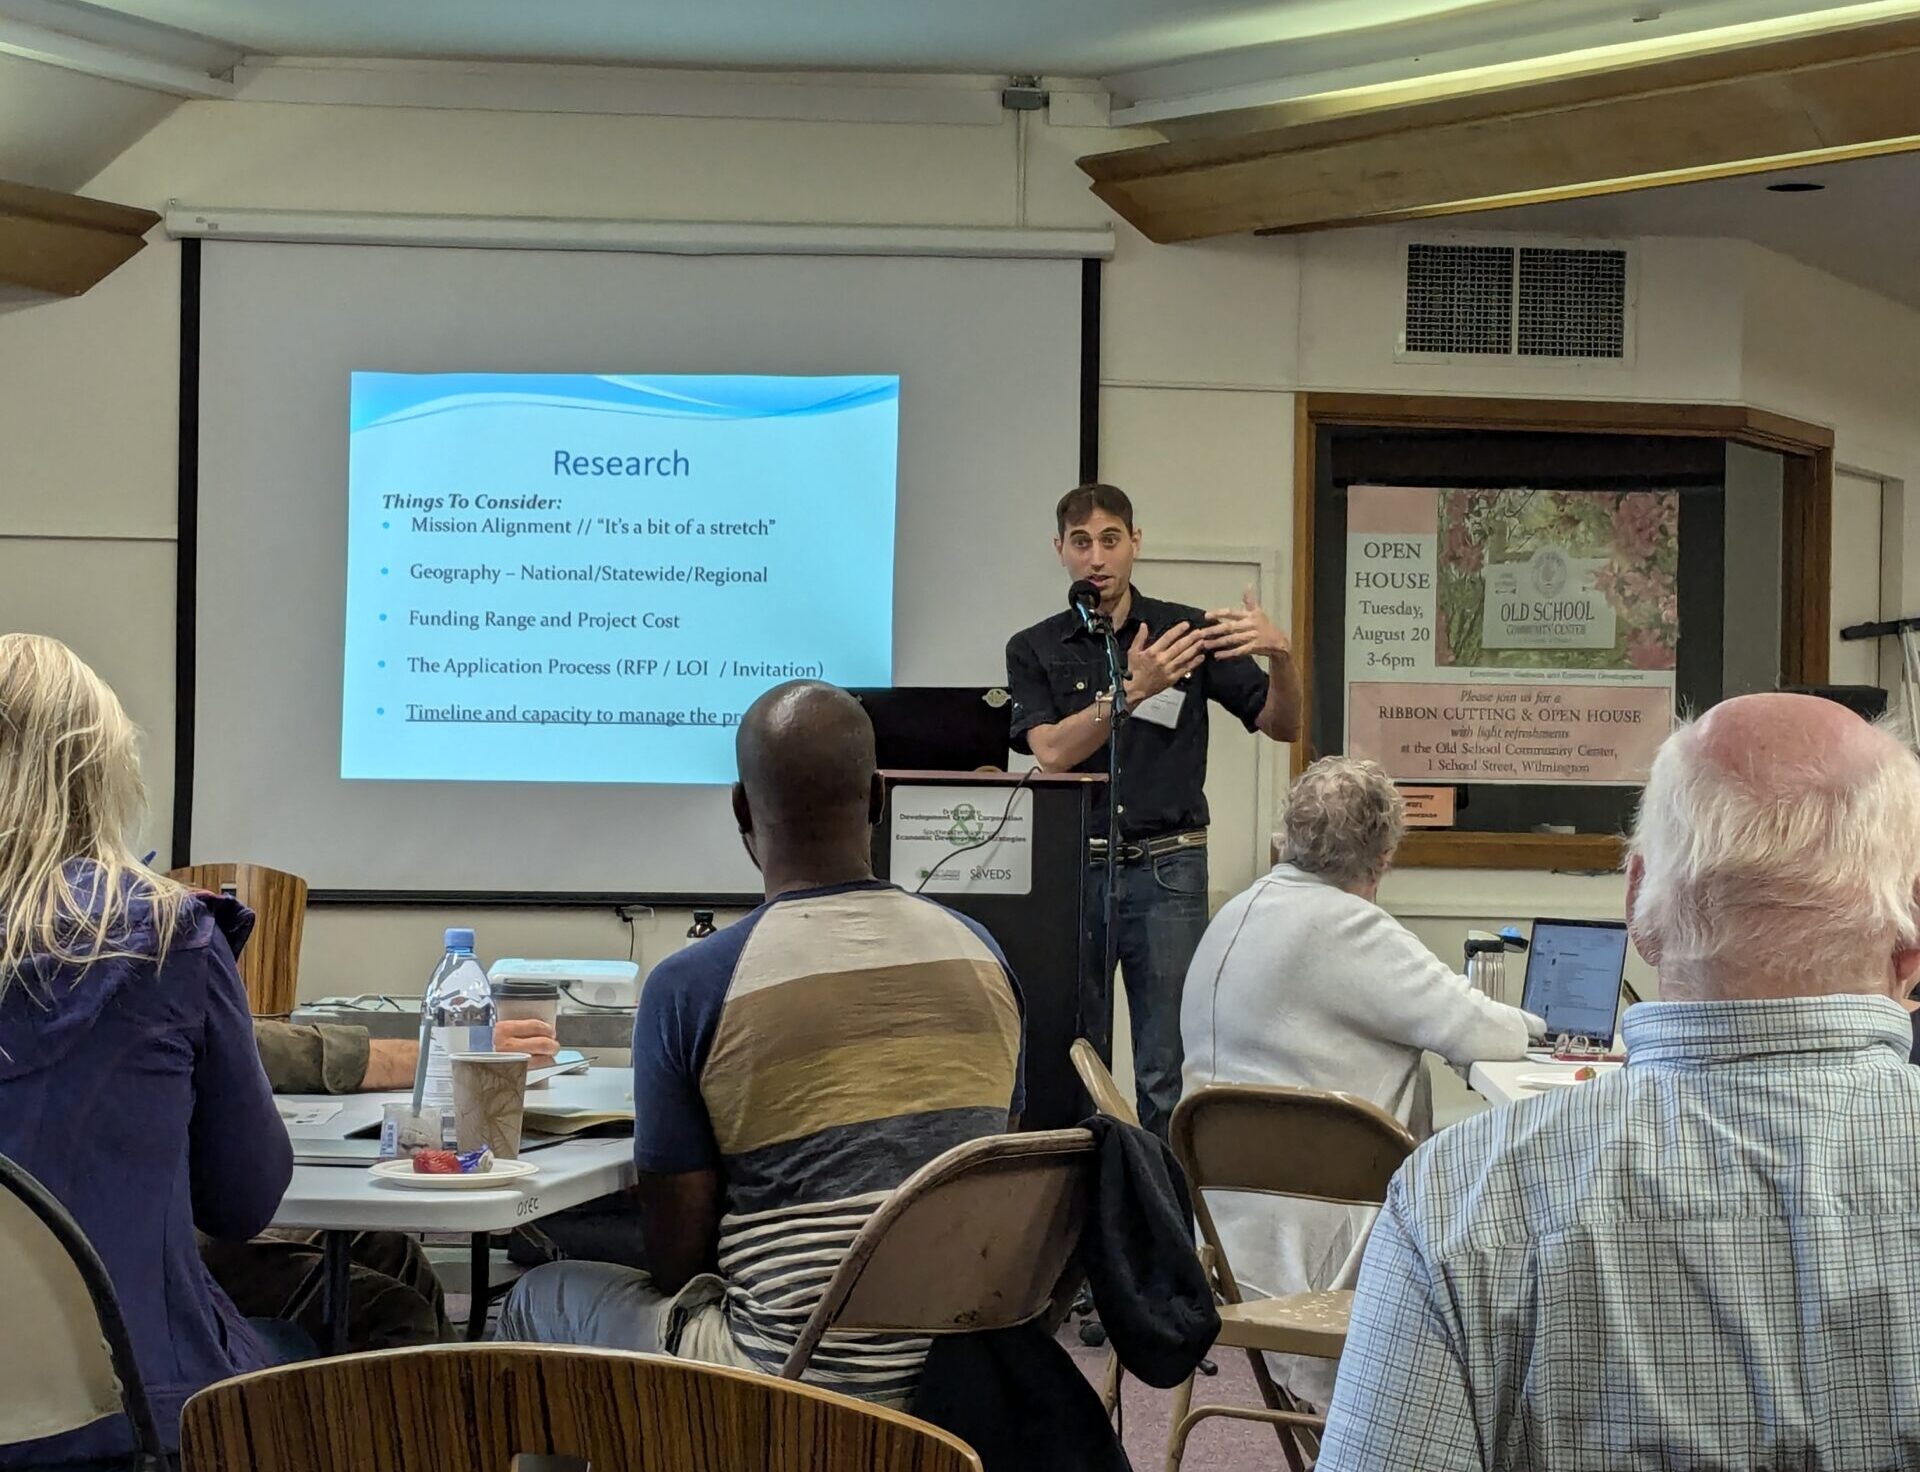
x=1028, y=901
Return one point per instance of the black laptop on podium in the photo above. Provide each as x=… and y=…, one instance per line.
x=939, y=728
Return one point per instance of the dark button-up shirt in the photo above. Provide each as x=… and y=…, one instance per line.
x=1056, y=668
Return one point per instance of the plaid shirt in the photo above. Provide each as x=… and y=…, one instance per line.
x=1710, y=1258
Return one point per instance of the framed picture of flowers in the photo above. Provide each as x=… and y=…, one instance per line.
x=1513, y=600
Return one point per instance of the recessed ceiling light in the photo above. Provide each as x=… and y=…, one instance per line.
x=1796, y=186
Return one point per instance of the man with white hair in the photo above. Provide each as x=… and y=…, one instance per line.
x=1710, y=1258
x=1304, y=980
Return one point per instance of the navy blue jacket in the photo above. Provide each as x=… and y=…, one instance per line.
x=133, y=1091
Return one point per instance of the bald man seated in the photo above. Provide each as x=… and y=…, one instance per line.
x=1711, y=1257
x=789, y=1072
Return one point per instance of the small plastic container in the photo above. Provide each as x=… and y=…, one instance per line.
x=404, y=1133
x=516, y=997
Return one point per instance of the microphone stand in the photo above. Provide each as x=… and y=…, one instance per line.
x=1110, y=898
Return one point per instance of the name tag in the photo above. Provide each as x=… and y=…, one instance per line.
x=1162, y=709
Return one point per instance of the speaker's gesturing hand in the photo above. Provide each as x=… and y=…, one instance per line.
x=1244, y=630
x=1169, y=659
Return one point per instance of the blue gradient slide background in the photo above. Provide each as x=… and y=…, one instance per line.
x=790, y=478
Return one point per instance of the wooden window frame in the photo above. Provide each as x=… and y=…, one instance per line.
x=1806, y=563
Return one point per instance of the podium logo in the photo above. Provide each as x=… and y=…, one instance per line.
x=968, y=825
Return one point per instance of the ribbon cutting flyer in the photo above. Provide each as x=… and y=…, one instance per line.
x=1516, y=636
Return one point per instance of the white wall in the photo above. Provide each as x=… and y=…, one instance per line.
x=1204, y=347
x=1829, y=351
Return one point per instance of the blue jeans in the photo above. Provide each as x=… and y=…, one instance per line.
x=1160, y=916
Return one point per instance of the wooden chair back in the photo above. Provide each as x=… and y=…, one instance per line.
x=1100, y=1086
x=983, y=1237
x=482, y=1407
x=1282, y=1141
x=270, y=964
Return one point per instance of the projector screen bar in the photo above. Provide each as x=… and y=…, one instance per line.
x=692, y=238
x=1089, y=372
x=186, y=551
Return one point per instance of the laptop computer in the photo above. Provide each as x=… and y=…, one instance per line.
x=1574, y=972
x=939, y=728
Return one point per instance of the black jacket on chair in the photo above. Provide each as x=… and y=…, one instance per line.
x=1153, y=1296
x=1015, y=1395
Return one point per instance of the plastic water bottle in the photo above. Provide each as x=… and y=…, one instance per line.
x=702, y=926
x=456, y=1016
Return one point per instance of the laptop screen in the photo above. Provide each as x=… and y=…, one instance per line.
x=1574, y=970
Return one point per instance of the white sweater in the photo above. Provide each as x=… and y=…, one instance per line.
x=1298, y=982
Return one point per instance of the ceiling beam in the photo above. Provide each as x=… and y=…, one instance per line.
x=56, y=245
x=115, y=60
x=1780, y=104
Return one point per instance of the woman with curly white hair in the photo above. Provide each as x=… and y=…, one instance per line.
x=1304, y=980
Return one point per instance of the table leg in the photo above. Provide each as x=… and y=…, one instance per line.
x=479, y=1268
x=337, y=1259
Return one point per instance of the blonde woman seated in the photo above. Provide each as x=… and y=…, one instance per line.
x=129, y=1083
x=1305, y=980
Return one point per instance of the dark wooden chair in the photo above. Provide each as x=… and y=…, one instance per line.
x=270, y=964
x=488, y=1407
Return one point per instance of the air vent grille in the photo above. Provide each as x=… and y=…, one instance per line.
x=1573, y=303
x=1506, y=301
x=1459, y=298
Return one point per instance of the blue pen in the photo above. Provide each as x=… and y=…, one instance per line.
x=152, y=854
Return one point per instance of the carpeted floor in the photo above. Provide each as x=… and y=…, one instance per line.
x=1218, y=1445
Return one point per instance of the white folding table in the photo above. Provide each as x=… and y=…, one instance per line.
x=1500, y=1082
x=339, y=1200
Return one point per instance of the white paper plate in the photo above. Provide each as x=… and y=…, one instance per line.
x=504, y=1173
x=1546, y=1081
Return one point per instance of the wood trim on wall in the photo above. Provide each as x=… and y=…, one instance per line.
x=58, y=245
x=1806, y=564
x=1806, y=568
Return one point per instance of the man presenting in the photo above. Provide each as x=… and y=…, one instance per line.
x=1178, y=658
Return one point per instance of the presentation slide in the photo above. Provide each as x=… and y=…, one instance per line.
x=581, y=578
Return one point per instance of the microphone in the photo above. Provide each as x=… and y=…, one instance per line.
x=1084, y=599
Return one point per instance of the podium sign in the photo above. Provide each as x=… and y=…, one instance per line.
x=982, y=842
x=1025, y=888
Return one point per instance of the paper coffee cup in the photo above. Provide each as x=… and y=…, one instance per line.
x=489, y=1099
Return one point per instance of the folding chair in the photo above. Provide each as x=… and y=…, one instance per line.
x=1109, y=1100
x=1303, y=1143
x=983, y=1237
x=65, y=1358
